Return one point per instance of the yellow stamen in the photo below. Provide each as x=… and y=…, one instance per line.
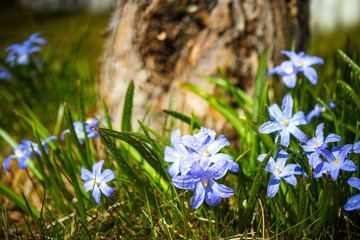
x=207, y=151
x=285, y=122
x=95, y=182
x=300, y=63
x=336, y=161
x=181, y=157
x=317, y=144
x=19, y=152
x=278, y=169
x=205, y=183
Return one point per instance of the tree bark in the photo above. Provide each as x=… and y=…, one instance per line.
x=159, y=43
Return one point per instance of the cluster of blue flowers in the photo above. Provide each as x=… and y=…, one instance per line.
x=23, y=151
x=95, y=180
x=22, y=54
x=197, y=163
x=284, y=123
x=299, y=63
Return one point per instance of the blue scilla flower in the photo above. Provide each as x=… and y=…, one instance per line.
x=318, y=142
x=336, y=161
x=356, y=148
x=80, y=131
x=23, y=151
x=96, y=181
x=175, y=154
x=298, y=63
x=205, y=148
x=200, y=179
x=280, y=171
x=353, y=202
x=284, y=122
x=5, y=74
x=318, y=109
x=21, y=53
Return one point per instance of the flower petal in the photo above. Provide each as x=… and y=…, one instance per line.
x=319, y=132
x=199, y=195
x=332, y=138
x=297, y=133
x=184, y=182
x=273, y=187
x=106, y=190
x=269, y=127
x=314, y=159
x=107, y=175
x=356, y=147
x=353, y=203
x=287, y=106
x=354, y=182
x=173, y=169
x=326, y=154
x=344, y=151
x=233, y=166
x=96, y=194
x=218, y=144
x=311, y=75
x=88, y=185
x=275, y=112
x=349, y=166
x=334, y=172
x=7, y=161
x=97, y=168
x=285, y=138
x=291, y=179
x=289, y=80
x=261, y=157
x=86, y=175
x=221, y=190
x=298, y=119
x=23, y=161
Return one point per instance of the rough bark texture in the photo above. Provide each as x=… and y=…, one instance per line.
x=158, y=43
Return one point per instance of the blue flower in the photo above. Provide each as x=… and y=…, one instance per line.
x=356, y=148
x=284, y=122
x=318, y=142
x=80, y=131
x=318, y=109
x=299, y=63
x=204, y=147
x=280, y=171
x=175, y=154
x=96, y=181
x=23, y=151
x=336, y=161
x=201, y=180
x=93, y=122
x=353, y=202
x=21, y=53
x=5, y=74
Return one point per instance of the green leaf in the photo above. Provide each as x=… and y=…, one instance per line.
x=18, y=200
x=259, y=82
x=148, y=162
x=254, y=193
x=348, y=60
x=107, y=115
x=182, y=117
x=351, y=91
x=128, y=104
x=73, y=135
x=8, y=138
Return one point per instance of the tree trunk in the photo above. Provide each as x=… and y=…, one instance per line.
x=159, y=43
